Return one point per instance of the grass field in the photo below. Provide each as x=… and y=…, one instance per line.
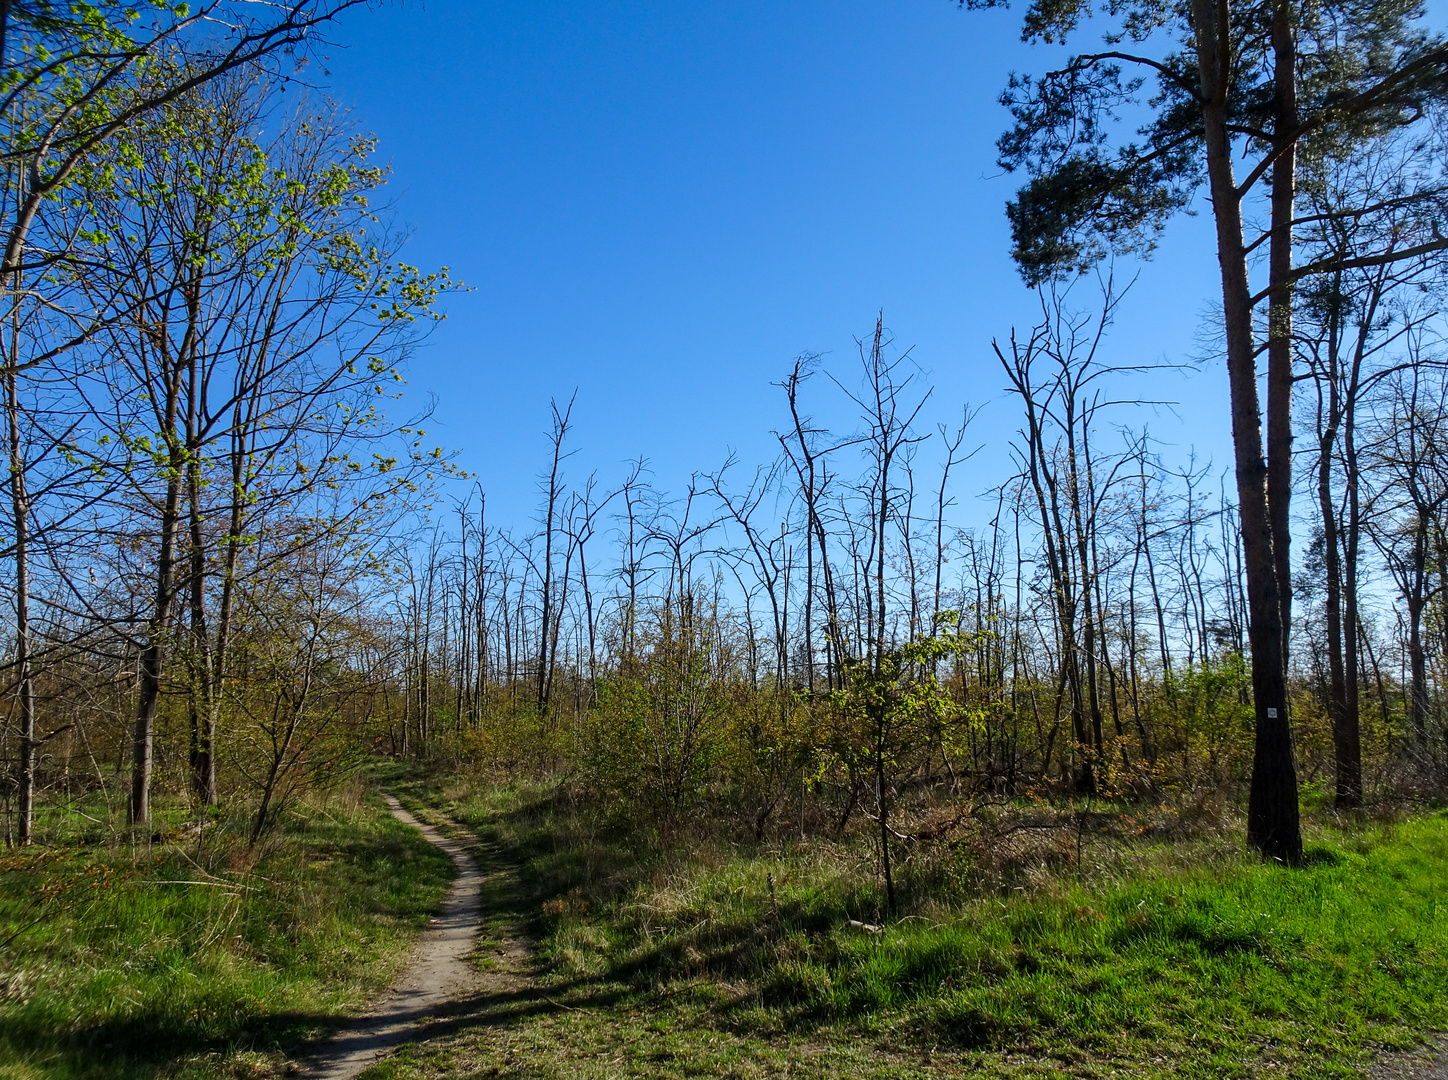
x=1151, y=958
x=199, y=956
x=1120, y=955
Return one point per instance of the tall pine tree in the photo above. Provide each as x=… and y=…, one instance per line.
x=1259, y=86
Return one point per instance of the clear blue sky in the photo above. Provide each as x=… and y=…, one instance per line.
x=661, y=204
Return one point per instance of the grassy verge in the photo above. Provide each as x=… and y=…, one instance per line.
x=199, y=956
x=1157, y=959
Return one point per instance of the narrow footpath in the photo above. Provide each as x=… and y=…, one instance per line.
x=441, y=987
x=438, y=973
x=1426, y=1062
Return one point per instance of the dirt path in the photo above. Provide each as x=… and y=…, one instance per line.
x=1427, y=1062
x=438, y=973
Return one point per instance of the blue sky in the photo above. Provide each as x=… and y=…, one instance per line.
x=661, y=204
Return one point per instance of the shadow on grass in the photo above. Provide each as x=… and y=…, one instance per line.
x=150, y=1042
x=798, y=965
x=548, y=860
x=153, y=1044
x=140, y=979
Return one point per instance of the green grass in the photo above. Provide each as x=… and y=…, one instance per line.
x=1170, y=959
x=203, y=958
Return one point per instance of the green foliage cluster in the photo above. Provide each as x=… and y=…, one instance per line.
x=658, y=730
x=1095, y=186
x=684, y=729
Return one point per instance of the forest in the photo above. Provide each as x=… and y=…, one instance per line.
x=893, y=672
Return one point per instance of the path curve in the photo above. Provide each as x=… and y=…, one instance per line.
x=437, y=972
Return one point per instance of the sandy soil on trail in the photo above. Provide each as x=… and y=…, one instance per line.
x=438, y=972
x=1428, y=1062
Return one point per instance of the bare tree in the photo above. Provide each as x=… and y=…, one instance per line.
x=253, y=358
x=551, y=590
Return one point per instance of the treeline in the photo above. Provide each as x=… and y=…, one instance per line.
x=797, y=644
x=233, y=572
x=202, y=321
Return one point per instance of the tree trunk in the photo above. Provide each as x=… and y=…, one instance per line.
x=1272, y=817
x=153, y=656
x=25, y=688
x=1416, y=598
x=202, y=707
x=1279, y=311
x=882, y=793
x=1349, y=779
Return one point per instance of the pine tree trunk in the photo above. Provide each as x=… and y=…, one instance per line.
x=1272, y=818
